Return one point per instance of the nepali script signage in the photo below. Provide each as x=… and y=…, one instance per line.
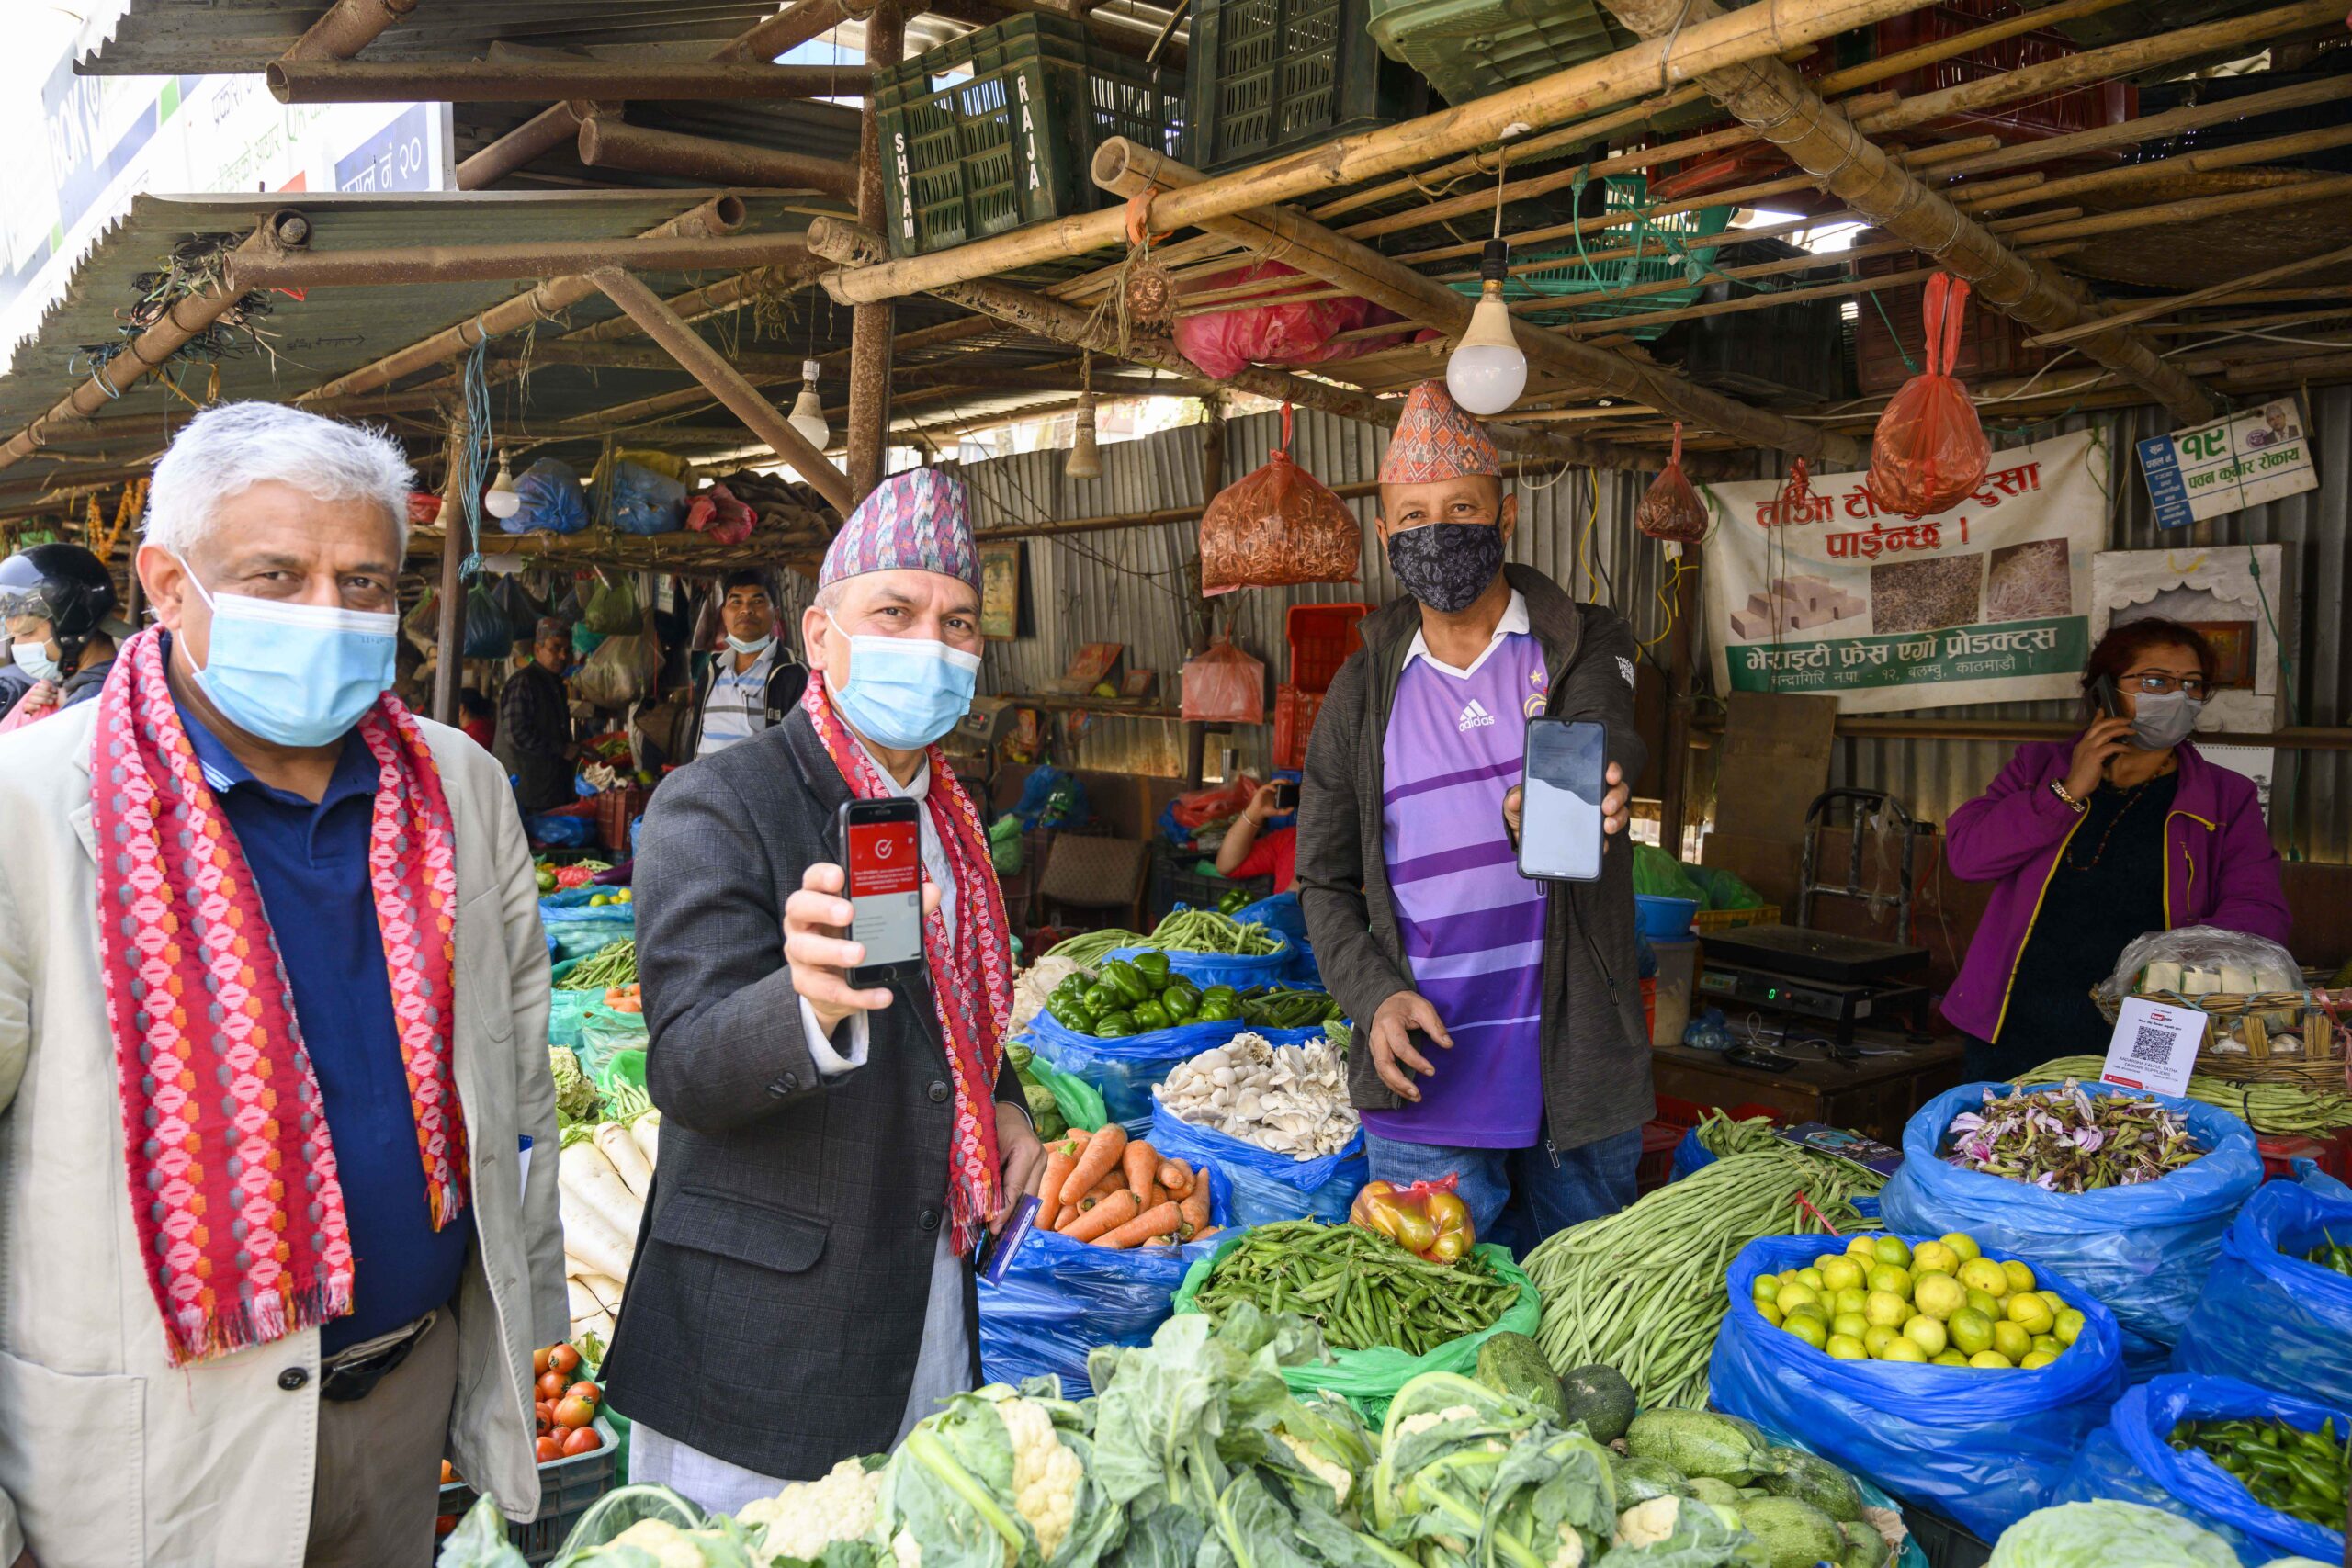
x=1986, y=602
x=2241, y=460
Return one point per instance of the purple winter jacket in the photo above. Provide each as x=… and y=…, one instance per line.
x=2220, y=869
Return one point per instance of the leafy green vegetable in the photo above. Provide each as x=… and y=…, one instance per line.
x=575, y=1094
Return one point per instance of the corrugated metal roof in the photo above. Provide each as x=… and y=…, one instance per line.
x=137, y=38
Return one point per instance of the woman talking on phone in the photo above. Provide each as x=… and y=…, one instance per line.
x=2123, y=829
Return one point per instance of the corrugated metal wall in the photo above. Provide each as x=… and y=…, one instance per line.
x=1127, y=587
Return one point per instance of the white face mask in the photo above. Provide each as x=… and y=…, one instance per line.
x=33, y=659
x=750, y=649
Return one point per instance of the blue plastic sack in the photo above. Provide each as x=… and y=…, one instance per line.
x=1982, y=1448
x=559, y=832
x=644, y=501
x=1238, y=970
x=1126, y=1070
x=1689, y=1154
x=2267, y=1315
x=578, y=930
x=1267, y=1186
x=2130, y=1460
x=1061, y=1298
x=553, y=500
x=1280, y=913
x=2144, y=1251
x=1052, y=798
x=2311, y=1176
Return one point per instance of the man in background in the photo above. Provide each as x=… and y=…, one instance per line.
x=533, y=737
x=57, y=603
x=752, y=682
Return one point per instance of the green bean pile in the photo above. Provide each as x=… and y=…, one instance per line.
x=1721, y=1137
x=1642, y=1290
x=2278, y=1110
x=1206, y=930
x=1364, y=1290
x=1091, y=948
x=1270, y=1007
x=615, y=964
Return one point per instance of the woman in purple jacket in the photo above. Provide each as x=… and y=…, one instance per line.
x=2123, y=830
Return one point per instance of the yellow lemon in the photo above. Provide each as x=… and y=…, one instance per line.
x=1983, y=1274
x=1940, y=1295
x=1878, y=1339
x=2036, y=1359
x=2047, y=1342
x=1821, y=1257
x=1886, y=1309
x=1902, y=1349
x=2069, y=1324
x=2020, y=1277
x=1990, y=1306
x=1934, y=1257
x=1846, y=1348
x=2011, y=1340
x=1842, y=1273
x=1991, y=1360
x=1811, y=1330
x=1927, y=1333
x=2031, y=1314
x=1764, y=1287
x=1852, y=1324
x=1771, y=1314
x=1892, y=1278
x=1963, y=1243
x=1862, y=1247
x=1893, y=1250
x=2057, y=1302
x=1948, y=1358
x=1851, y=1299
x=1790, y=1294
x=1812, y=1310
x=1970, y=1330
x=1810, y=1278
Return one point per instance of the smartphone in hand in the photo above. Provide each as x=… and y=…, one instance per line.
x=882, y=853
x=1560, y=834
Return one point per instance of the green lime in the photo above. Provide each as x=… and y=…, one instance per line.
x=1846, y=1348
x=1811, y=1330
x=1970, y=1331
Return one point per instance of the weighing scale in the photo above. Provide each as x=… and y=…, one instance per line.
x=1836, y=980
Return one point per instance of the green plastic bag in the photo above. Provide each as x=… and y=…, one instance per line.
x=1004, y=845
x=626, y=1066
x=1079, y=1102
x=1660, y=875
x=1722, y=889
x=1370, y=1378
x=605, y=1030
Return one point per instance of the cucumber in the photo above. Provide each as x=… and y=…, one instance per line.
x=1697, y=1442
x=1795, y=1534
x=1818, y=1481
x=1865, y=1548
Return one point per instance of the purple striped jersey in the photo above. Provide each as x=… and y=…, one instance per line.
x=1471, y=927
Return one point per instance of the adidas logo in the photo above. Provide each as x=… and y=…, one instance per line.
x=1473, y=716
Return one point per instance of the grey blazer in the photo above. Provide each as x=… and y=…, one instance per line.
x=775, y=1308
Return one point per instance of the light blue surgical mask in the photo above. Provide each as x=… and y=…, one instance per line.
x=297, y=674
x=905, y=691
x=33, y=659
x=752, y=647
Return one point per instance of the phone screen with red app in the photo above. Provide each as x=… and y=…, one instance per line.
x=885, y=864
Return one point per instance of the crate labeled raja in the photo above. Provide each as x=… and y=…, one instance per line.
x=1646, y=260
x=1272, y=77
x=996, y=128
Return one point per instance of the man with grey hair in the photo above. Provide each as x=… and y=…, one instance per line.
x=273, y=1055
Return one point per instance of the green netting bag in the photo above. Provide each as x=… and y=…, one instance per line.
x=605, y=1030
x=1660, y=875
x=1370, y=1378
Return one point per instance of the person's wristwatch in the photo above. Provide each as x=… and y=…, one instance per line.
x=2073, y=802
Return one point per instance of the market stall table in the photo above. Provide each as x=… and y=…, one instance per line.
x=1875, y=1093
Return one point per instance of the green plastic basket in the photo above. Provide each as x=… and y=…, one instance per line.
x=1662, y=249
x=1272, y=77
x=998, y=129
x=1470, y=47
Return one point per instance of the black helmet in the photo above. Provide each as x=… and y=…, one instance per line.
x=64, y=585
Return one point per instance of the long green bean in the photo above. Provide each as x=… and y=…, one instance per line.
x=2282, y=1109
x=1364, y=1290
x=615, y=964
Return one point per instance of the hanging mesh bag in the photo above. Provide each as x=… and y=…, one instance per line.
x=1930, y=452
x=1670, y=508
x=1277, y=526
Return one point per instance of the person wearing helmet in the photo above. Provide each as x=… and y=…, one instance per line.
x=57, y=602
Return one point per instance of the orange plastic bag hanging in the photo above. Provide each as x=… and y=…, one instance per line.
x=1277, y=526
x=1670, y=508
x=1224, y=685
x=1931, y=451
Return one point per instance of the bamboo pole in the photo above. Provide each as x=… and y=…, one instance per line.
x=707, y=366
x=2228, y=205
x=1764, y=28
x=2149, y=127
x=450, y=631
x=498, y=263
x=607, y=141
x=346, y=28
x=2207, y=161
x=181, y=321
x=2178, y=302
x=872, y=322
x=501, y=81
x=1770, y=96
x=720, y=215
x=1360, y=270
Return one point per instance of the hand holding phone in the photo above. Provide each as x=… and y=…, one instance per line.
x=1561, y=834
x=1286, y=797
x=836, y=967
x=2108, y=737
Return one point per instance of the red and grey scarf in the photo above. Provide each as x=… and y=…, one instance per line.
x=971, y=966
x=232, y=1172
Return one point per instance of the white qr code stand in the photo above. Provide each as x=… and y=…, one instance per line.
x=2154, y=1046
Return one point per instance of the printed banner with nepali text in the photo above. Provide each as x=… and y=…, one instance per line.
x=1986, y=602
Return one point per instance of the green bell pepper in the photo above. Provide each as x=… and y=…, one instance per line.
x=1181, y=1000
x=1104, y=999
x=1152, y=966
x=1115, y=1026
x=1149, y=1015
x=1126, y=980
x=1073, y=988
x=1225, y=995
x=1216, y=1011
x=1236, y=899
x=1075, y=1014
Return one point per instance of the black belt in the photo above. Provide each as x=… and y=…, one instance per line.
x=354, y=1376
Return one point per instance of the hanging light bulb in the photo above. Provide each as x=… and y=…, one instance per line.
x=1085, y=457
x=1487, y=370
x=502, y=500
x=807, y=415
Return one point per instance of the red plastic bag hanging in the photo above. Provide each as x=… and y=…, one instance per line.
x=1277, y=526
x=1931, y=451
x=1670, y=509
x=717, y=512
x=1222, y=343
x=1225, y=685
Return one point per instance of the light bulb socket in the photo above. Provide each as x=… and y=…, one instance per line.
x=1494, y=261
x=808, y=371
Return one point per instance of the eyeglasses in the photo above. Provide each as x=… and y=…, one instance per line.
x=2153, y=685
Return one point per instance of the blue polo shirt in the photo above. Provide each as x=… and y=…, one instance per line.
x=311, y=863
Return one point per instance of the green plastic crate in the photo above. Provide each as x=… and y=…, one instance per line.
x=1586, y=290
x=998, y=129
x=1470, y=47
x=1272, y=76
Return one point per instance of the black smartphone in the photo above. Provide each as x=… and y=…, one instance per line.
x=2105, y=697
x=1286, y=797
x=882, y=850
x=1559, y=830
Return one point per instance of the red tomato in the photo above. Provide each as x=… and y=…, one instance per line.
x=574, y=1413
x=539, y=1359
x=563, y=1359
x=551, y=1384
x=584, y=1390
x=584, y=1441
x=545, y=1413
x=550, y=1448
x=444, y=1523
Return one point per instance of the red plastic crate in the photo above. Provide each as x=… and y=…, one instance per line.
x=2279, y=1152
x=1294, y=714
x=1321, y=636
x=2052, y=114
x=1991, y=344
x=1660, y=1140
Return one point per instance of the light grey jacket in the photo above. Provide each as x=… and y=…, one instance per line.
x=109, y=1457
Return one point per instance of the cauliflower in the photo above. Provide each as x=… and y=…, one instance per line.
x=809, y=1515
x=905, y=1549
x=1571, y=1553
x=665, y=1543
x=575, y=1096
x=1646, y=1523
x=1329, y=1471
x=1045, y=1473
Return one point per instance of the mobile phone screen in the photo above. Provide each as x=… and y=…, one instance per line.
x=885, y=891
x=1286, y=795
x=1560, y=816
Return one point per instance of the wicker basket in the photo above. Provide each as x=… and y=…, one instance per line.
x=2255, y=1023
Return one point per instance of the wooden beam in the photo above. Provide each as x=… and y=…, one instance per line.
x=2177, y=302
x=513, y=261
x=872, y=322
x=497, y=82
x=610, y=141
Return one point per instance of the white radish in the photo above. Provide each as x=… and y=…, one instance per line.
x=606, y=1290
x=647, y=1132
x=584, y=1300
x=628, y=1160
x=599, y=1216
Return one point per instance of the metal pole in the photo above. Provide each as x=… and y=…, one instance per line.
x=449, y=633
x=609, y=143
x=723, y=381
x=495, y=82
x=348, y=26
x=502, y=262
x=1674, y=786
x=871, y=324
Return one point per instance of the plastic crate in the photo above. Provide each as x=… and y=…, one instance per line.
x=1660, y=249
x=1945, y=1545
x=1791, y=353
x=1660, y=1140
x=566, y=1488
x=1470, y=47
x=1175, y=882
x=1294, y=714
x=1707, y=920
x=1320, y=637
x=2049, y=114
x=1272, y=76
x=1991, y=344
x=2279, y=1152
x=998, y=129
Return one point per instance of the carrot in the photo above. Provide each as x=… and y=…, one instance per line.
x=1049, y=1187
x=1195, y=1209
x=1138, y=1161
x=1099, y=1159
x=1175, y=1176
x=1105, y=1187
x=1108, y=1215
x=1160, y=1221
x=1153, y=1195
x=1213, y=1230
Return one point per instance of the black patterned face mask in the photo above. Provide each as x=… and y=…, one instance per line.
x=1446, y=565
